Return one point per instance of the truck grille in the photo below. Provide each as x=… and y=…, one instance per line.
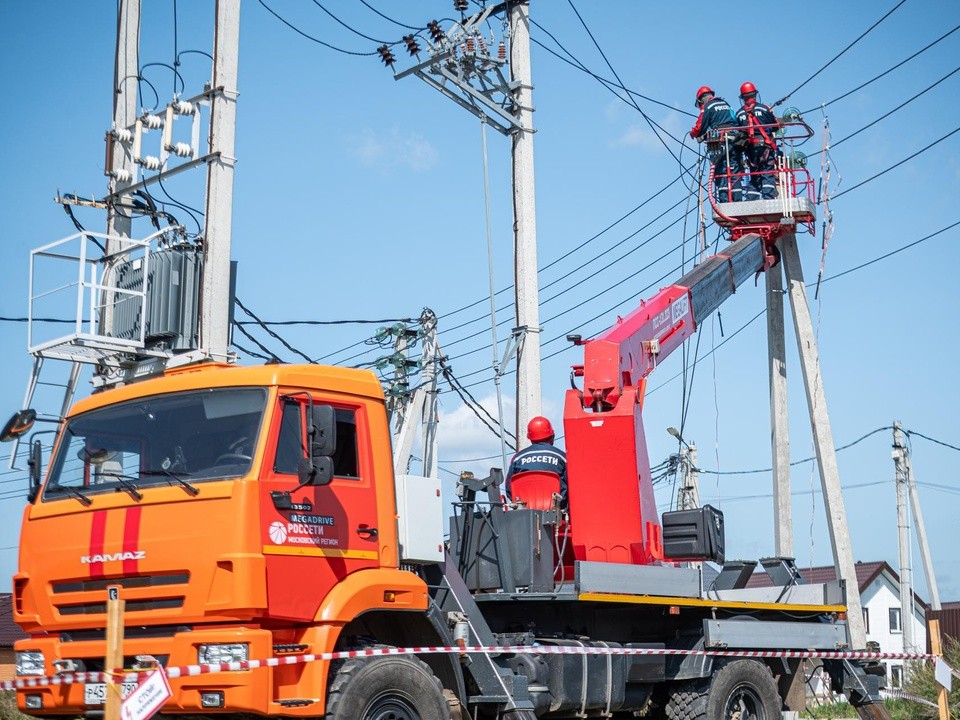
x=126, y=582
x=99, y=608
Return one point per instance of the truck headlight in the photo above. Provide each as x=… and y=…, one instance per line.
x=216, y=653
x=30, y=663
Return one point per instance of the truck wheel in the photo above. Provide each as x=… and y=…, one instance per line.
x=740, y=690
x=388, y=688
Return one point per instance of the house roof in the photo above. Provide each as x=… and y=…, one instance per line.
x=10, y=632
x=867, y=572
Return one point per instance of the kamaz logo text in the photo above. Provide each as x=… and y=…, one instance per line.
x=107, y=557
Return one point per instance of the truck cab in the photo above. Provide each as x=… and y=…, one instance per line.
x=201, y=494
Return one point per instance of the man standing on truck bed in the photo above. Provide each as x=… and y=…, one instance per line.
x=540, y=457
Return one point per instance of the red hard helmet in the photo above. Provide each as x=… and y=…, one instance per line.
x=748, y=88
x=704, y=89
x=539, y=429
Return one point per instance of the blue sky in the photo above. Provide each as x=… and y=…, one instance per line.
x=360, y=197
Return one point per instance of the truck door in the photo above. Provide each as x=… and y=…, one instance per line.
x=313, y=537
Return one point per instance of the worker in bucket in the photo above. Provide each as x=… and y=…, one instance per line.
x=541, y=456
x=761, y=147
x=716, y=114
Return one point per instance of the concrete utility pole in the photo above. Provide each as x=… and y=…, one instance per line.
x=690, y=490
x=779, y=424
x=823, y=439
x=903, y=540
x=121, y=168
x=215, y=312
x=524, y=225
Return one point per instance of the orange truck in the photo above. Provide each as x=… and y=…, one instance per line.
x=251, y=518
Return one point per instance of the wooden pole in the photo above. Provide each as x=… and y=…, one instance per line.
x=114, y=657
x=935, y=648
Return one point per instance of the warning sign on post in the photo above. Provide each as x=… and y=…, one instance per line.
x=148, y=698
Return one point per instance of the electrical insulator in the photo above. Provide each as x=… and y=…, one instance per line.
x=471, y=46
x=482, y=44
x=502, y=50
x=436, y=34
x=386, y=55
x=150, y=162
x=184, y=108
x=461, y=5
x=153, y=122
x=412, y=47
x=182, y=149
x=122, y=175
x=123, y=134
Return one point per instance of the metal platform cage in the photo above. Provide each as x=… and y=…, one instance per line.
x=73, y=283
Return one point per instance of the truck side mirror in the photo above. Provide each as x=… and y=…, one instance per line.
x=20, y=423
x=35, y=462
x=322, y=431
x=317, y=469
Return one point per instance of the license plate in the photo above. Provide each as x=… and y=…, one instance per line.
x=96, y=693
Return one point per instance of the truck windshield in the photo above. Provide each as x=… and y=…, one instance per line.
x=175, y=439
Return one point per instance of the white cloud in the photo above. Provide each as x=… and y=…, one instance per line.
x=393, y=149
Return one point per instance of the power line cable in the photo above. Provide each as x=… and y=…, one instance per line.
x=325, y=322
x=797, y=462
x=351, y=29
x=253, y=353
x=898, y=107
x=891, y=253
x=271, y=333
x=311, y=37
x=933, y=440
x=574, y=62
x=885, y=72
x=390, y=19
x=839, y=54
x=251, y=338
x=893, y=167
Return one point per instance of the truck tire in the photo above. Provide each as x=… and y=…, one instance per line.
x=739, y=690
x=387, y=688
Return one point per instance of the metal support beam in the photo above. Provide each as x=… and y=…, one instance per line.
x=779, y=423
x=823, y=439
x=524, y=223
x=215, y=293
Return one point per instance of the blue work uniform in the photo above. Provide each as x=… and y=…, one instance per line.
x=761, y=150
x=539, y=457
x=727, y=165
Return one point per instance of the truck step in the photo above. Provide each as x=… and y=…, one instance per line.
x=289, y=648
x=296, y=702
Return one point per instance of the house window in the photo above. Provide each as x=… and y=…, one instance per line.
x=866, y=620
x=896, y=675
x=895, y=620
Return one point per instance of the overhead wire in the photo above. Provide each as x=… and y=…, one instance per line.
x=352, y=29
x=271, y=332
x=896, y=165
x=390, y=19
x=311, y=37
x=898, y=107
x=839, y=54
x=885, y=72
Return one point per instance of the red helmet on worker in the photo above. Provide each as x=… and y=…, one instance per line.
x=539, y=429
x=748, y=89
x=703, y=90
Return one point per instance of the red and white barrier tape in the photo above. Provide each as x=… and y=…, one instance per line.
x=192, y=670
x=901, y=695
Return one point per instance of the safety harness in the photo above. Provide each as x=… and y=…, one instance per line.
x=753, y=124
